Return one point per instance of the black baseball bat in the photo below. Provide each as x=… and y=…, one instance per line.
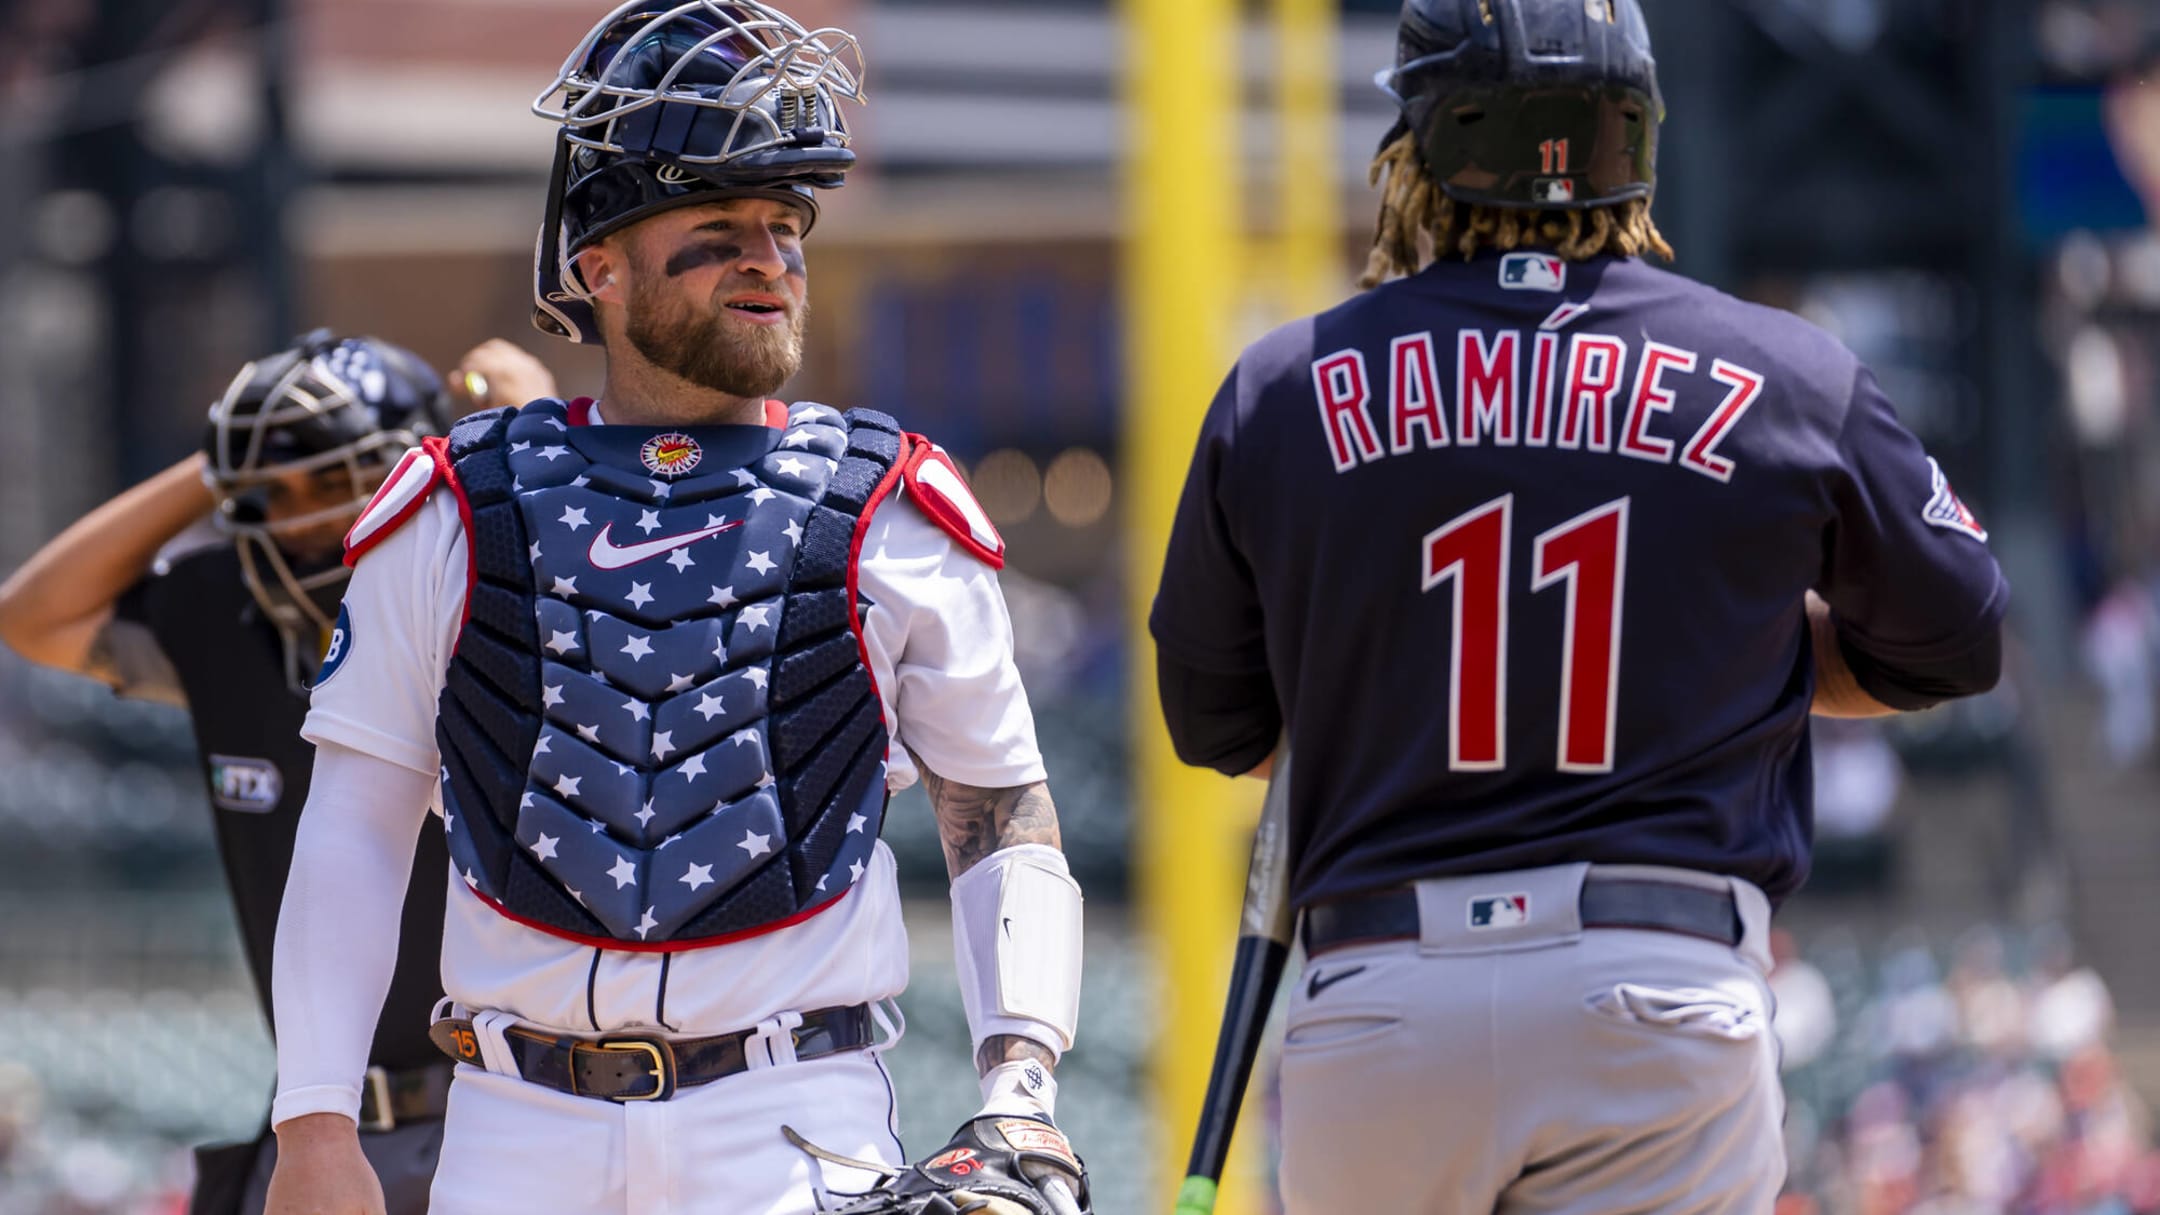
x=1263, y=947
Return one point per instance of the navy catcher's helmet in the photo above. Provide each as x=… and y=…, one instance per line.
x=322, y=404
x=1529, y=103
x=663, y=105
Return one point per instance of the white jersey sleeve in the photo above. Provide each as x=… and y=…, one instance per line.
x=403, y=609
x=941, y=647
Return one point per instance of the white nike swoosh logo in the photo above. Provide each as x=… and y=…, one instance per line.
x=608, y=555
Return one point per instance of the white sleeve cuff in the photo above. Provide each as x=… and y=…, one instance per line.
x=315, y=1099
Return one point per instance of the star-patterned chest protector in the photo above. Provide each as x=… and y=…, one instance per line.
x=658, y=729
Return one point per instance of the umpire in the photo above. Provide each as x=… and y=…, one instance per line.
x=229, y=621
x=1542, y=557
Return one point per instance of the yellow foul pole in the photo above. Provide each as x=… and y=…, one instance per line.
x=1181, y=278
x=1308, y=194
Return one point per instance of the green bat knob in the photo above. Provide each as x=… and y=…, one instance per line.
x=1196, y=1197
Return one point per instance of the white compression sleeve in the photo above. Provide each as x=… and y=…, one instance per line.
x=1016, y=945
x=337, y=934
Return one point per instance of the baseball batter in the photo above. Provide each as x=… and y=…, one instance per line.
x=228, y=621
x=1543, y=556
x=657, y=661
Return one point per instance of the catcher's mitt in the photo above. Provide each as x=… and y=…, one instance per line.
x=996, y=1164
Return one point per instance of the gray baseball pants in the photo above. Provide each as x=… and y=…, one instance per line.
x=1535, y=1067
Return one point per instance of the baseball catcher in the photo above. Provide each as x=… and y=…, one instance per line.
x=656, y=661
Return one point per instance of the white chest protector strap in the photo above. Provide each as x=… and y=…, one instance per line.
x=1016, y=945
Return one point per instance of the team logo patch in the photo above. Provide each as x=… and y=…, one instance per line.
x=948, y=1161
x=1499, y=910
x=1944, y=510
x=341, y=639
x=248, y=786
x=1532, y=272
x=671, y=455
x=1553, y=189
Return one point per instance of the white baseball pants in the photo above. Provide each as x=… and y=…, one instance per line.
x=515, y=1148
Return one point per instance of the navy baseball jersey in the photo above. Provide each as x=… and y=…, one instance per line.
x=1521, y=547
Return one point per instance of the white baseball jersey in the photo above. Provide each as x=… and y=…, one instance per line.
x=939, y=644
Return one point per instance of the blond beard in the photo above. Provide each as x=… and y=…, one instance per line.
x=704, y=348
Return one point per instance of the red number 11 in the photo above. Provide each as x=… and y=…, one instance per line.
x=1588, y=555
x=1555, y=152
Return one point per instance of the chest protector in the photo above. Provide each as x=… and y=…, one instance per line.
x=658, y=730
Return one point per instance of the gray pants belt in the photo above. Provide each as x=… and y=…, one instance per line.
x=1606, y=902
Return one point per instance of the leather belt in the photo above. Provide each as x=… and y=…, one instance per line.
x=1392, y=915
x=647, y=1067
x=414, y=1094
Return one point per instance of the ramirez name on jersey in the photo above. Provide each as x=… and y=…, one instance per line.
x=1544, y=387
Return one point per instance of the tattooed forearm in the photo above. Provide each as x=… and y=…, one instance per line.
x=975, y=822
x=1009, y=1048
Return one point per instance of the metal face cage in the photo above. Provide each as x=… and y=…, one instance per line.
x=762, y=68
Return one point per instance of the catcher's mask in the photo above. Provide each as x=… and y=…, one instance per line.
x=662, y=106
x=1536, y=104
x=323, y=406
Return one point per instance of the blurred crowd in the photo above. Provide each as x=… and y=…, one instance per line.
x=53, y=1162
x=1987, y=1087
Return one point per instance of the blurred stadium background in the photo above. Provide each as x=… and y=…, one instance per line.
x=1967, y=191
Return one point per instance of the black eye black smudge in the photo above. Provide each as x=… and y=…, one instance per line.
x=793, y=260
x=702, y=255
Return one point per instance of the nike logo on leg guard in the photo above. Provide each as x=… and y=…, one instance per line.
x=606, y=554
x=1315, y=985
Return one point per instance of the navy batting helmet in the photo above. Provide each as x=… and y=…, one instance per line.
x=663, y=105
x=1529, y=103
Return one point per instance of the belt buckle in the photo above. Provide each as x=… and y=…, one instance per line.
x=376, y=1090
x=662, y=1073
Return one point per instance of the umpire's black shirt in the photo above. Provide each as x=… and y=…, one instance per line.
x=226, y=661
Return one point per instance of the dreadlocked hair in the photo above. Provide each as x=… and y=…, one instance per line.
x=1420, y=224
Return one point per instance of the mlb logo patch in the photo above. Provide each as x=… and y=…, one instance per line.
x=1499, y=910
x=1553, y=189
x=1532, y=272
x=1944, y=510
